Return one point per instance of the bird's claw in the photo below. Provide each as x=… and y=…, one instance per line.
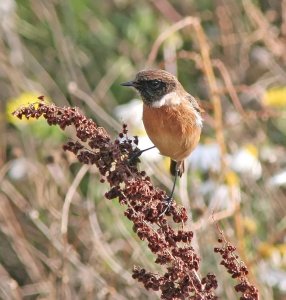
x=168, y=202
x=136, y=153
x=134, y=156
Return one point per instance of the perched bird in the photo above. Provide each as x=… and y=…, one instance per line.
x=171, y=116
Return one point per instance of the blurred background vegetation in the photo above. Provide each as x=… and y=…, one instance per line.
x=76, y=53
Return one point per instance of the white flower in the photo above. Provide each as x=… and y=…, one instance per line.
x=278, y=180
x=19, y=168
x=131, y=114
x=245, y=162
x=206, y=157
x=273, y=276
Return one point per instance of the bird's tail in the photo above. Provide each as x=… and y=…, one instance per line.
x=177, y=165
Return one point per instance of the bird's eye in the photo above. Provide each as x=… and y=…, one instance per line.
x=155, y=84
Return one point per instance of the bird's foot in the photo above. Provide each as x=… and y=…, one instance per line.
x=134, y=157
x=136, y=153
x=168, y=201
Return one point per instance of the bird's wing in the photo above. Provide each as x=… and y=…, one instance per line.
x=194, y=103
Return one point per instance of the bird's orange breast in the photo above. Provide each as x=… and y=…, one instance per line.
x=173, y=129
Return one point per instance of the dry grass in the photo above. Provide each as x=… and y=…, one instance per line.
x=59, y=238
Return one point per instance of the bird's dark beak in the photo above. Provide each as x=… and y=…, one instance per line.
x=128, y=83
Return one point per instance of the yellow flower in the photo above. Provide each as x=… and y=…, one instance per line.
x=252, y=149
x=166, y=163
x=282, y=249
x=23, y=99
x=250, y=224
x=266, y=250
x=231, y=178
x=275, y=97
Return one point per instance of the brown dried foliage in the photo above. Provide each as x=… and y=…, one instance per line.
x=144, y=206
x=237, y=269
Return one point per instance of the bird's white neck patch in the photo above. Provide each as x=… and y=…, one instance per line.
x=169, y=99
x=174, y=99
x=199, y=119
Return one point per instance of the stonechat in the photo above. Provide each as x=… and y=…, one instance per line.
x=171, y=116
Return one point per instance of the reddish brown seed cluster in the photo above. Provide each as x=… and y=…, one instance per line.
x=189, y=287
x=144, y=203
x=237, y=269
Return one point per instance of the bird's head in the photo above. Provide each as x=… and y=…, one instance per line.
x=157, y=87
